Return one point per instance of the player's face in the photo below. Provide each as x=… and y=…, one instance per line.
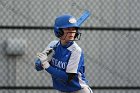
x=69, y=34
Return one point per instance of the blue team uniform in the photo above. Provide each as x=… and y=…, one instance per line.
x=67, y=59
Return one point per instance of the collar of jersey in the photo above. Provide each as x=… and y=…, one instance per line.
x=68, y=44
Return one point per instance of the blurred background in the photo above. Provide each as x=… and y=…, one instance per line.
x=110, y=40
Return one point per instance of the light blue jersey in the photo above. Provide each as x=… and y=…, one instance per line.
x=67, y=59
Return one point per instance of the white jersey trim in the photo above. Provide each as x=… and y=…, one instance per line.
x=81, y=82
x=74, y=58
x=51, y=45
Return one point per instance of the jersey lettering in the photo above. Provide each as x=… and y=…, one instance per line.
x=58, y=63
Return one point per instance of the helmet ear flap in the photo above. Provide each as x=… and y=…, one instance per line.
x=77, y=36
x=60, y=33
x=77, y=33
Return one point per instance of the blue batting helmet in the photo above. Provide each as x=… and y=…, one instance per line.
x=64, y=21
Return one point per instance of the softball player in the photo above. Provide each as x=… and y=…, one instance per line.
x=66, y=64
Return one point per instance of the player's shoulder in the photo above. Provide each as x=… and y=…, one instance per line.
x=52, y=43
x=75, y=47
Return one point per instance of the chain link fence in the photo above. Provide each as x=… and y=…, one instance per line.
x=110, y=40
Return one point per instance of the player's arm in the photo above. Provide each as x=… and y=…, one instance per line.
x=60, y=74
x=44, y=63
x=57, y=73
x=43, y=60
x=48, y=51
x=75, y=61
x=74, y=64
x=70, y=76
x=43, y=57
x=67, y=77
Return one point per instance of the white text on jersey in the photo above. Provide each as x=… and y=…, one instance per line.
x=58, y=63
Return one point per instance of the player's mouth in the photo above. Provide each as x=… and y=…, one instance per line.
x=71, y=36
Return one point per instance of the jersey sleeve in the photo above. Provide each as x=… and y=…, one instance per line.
x=57, y=73
x=52, y=44
x=74, y=61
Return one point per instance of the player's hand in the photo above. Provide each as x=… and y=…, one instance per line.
x=49, y=53
x=43, y=58
x=38, y=65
